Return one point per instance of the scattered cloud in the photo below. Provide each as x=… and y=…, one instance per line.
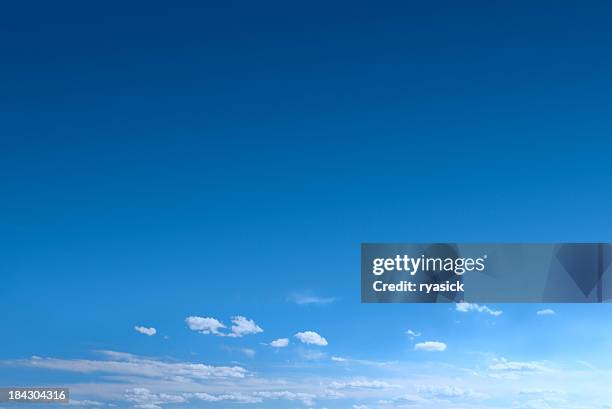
x=366, y=362
x=121, y=363
x=85, y=402
x=224, y=397
x=448, y=392
x=306, y=398
x=311, y=337
x=413, y=334
x=505, y=369
x=204, y=325
x=467, y=307
x=362, y=384
x=143, y=398
x=248, y=352
x=430, y=346
x=308, y=298
x=311, y=354
x=280, y=343
x=241, y=326
x=146, y=331
x=546, y=311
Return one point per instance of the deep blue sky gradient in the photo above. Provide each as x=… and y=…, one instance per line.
x=161, y=160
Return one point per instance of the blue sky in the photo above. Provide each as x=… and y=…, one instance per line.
x=227, y=160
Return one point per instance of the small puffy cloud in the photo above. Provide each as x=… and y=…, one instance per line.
x=431, y=346
x=360, y=407
x=338, y=359
x=146, y=331
x=308, y=298
x=204, y=325
x=467, y=307
x=311, y=337
x=243, y=326
x=280, y=343
x=413, y=334
x=546, y=311
x=207, y=325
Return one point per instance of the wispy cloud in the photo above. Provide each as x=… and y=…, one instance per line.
x=467, y=307
x=309, y=298
x=144, y=398
x=248, y=352
x=413, y=334
x=430, y=346
x=546, y=311
x=506, y=369
x=311, y=337
x=448, y=392
x=362, y=384
x=366, y=362
x=120, y=363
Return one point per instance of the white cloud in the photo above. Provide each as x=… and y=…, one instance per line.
x=256, y=397
x=366, y=362
x=206, y=325
x=360, y=407
x=307, y=298
x=407, y=399
x=361, y=384
x=280, y=343
x=121, y=363
x=467, y=307
x=306, y=398
x=546, y=311
x=448, y=392
x=243, y=326
x=143, y=398
x=503, y=368
x=430, y=346
x=144, y=330
x=231, y=397
x=311, y=354
x=85, y=402
x=413, y=334
x=311, y=337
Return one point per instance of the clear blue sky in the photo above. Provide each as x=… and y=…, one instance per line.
x=227, y=159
